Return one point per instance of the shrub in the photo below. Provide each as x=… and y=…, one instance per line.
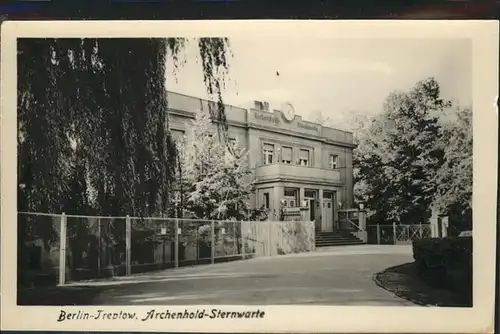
x=446, y=261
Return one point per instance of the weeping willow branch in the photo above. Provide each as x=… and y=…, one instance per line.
x=93, y=122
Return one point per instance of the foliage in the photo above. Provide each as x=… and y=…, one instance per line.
x=398, y=156
x=446, y=261
x=215, y=174
x=454, y=178
x=358, y=124
x=320, y=118
x=92, y=124
x=415, y=156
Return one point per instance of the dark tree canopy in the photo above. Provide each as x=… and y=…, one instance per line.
x=400, y=155
x=93, y=135
x=93, y=125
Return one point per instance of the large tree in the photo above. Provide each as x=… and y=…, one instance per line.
x=94, y=111
x=399, y=156
x=93, y=128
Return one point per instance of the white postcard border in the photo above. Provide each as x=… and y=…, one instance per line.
x=479, y=318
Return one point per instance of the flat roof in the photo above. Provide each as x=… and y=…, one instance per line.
x=229, y=106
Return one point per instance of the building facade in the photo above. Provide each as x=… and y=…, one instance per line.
x=295, y=163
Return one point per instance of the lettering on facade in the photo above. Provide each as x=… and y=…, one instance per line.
x=267, y=118
x=275, y=120
x=307, y=126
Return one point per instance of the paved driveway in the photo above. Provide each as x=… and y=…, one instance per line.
x=337, y=276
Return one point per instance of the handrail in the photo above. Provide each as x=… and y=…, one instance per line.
x=353, y=224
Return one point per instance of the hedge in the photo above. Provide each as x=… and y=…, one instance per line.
x=446, y=262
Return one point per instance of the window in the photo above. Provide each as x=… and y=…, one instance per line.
x=310, y=194
x=334, y=164
x=268, y=153
x=328, y=195
x=266, y=200
x=286, y=155
x=291, y=196
x=177, y=135
x=304, y=157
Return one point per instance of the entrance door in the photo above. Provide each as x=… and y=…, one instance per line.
x=312, y=209
x=314, y=213
x=328, y=211
x=328, y=214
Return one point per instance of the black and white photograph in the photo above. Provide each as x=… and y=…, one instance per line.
x=244, y=169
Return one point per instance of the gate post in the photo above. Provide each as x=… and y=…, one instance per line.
x=394, y=237
x=378, y=234
x=128, y=245
x=62, y=250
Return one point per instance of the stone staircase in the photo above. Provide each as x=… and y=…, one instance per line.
x=336, y=238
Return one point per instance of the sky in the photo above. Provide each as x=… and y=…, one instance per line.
x=331, y=75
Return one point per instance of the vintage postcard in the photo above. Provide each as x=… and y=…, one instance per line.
x=257, y=176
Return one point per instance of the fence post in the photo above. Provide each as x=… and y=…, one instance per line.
x=378, y=234
x=421, y=231
x=197, y=244
x=212, y=248
x=235, y=248
x=394, y=237
x=176, y=243
x=99, y=248
x=62, y=250
x=128, y=246
x=269, y=241
x=242, y=241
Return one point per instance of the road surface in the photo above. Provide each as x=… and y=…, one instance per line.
x=337, y=276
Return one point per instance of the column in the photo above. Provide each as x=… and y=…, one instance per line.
x=320, y=211
x=301, y=196
x=278, y=192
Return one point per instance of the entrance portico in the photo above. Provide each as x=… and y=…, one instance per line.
x=319, y=202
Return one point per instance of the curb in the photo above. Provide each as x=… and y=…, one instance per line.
x=396, y=293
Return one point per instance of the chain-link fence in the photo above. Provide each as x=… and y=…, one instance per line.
x=94, y=248
x=64, y=248
x=159, y=243
x=397, y=233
